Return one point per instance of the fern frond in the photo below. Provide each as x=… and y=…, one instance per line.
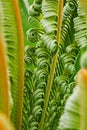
x=64, y=89
x=80, y=29
x=54, y=71
x=13, y=37
x=75, y=108
x=30, y=60
x=35, y=8
x=72, y=102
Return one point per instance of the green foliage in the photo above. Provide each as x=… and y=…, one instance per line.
x=50, y=100
x=71, y=117
x=24, y=16
x=11, y=39
x=9, y=20
x=38, y=66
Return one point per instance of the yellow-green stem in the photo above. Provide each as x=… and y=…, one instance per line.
x=51, y=76
x=21, y=64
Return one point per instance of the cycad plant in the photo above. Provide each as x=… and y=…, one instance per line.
x=53, y=66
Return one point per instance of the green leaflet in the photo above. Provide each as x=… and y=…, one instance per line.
x=75, y=116
x=13, y=37
x=71, y=117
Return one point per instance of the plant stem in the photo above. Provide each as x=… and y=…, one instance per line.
x=20, y=65
x=4, y=87
x=51, y=76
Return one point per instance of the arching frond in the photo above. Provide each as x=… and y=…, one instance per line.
x=12, y=36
